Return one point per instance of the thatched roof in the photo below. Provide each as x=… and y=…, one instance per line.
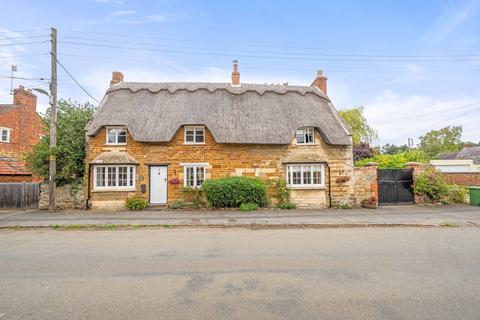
x=250, y=113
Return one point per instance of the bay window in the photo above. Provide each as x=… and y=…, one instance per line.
x=305, y=175
x=114, y=177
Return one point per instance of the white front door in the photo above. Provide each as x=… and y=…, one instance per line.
x=158, y=184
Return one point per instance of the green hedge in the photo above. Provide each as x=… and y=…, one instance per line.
x=231, y=192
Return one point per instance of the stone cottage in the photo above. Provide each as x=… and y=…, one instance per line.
x=153, y=139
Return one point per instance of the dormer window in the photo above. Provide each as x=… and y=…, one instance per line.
x=5, y=135
x=306, y=135
x=194, y=135
x=117, y=135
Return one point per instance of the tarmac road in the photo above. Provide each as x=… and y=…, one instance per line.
x=365, y=273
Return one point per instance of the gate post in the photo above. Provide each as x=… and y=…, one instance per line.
x=374, y=185
x=416, y=170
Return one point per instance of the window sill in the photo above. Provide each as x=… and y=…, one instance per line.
x=307, y=187
x=193, y=143
x=114, y=190
x=4, y=141
x=114, y=144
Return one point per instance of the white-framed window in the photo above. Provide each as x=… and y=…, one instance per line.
x=305, y=175
x=117, y=135
x=5, y=135
x=121, y=177
x=306, y=135
x=193, y=174
x=194, y=135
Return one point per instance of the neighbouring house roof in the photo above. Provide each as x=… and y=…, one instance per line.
x=470, y=153
x=114, y=158
x=10, y=166
x=250, y=113
x=7, y=107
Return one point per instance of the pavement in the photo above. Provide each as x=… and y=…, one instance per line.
x=462, y=215
x=360, y=273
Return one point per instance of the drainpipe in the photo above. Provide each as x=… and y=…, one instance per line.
x=88, y=185
x=329, y=186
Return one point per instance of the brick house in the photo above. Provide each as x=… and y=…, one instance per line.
x=21, y=128
x=152, y=139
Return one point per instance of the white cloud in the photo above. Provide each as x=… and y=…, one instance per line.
x=454, y=15
x=398, y=118
x=122, y=13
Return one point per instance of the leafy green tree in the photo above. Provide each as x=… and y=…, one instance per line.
x=361, y=131
x=447, y=139
x=72, y=118
x=393, y=149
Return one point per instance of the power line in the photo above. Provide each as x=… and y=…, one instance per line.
x=235, y=44
x=21, y=43
x=247, y=67
x=24, y=37
x=268, y=57
x=271, y=52
x=24, y=55
x=26, y=30
x=21, y=78
x=75, y=80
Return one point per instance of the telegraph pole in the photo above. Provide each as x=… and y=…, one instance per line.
x=53, y=124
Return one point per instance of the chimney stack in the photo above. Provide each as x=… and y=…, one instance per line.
x=25, y=98
x=117, y=77
x=235, y=74
x=320, y=82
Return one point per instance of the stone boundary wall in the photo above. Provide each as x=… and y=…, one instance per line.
x=365, y=183
x=67, y=197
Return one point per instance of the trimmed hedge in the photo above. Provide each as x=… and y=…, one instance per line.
x=231, y=192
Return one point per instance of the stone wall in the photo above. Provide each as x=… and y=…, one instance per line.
x=263, y=161
x=67, y=197
x=365, y=183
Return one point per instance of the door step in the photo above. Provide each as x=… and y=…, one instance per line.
x=155, y=207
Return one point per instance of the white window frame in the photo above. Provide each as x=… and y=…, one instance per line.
x=302, y=184
x=116, y=143
x=304, y=131
x=194, y=166
x=131, y=177
x=194, y=129
x=8, y=134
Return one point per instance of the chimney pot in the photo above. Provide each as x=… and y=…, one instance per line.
x=117, y=77
x=320, y=81
x=235, y=74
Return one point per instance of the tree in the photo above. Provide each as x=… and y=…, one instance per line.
x=72, y=118
x=447, y=139
x=393, y=149
x=362, y=151
x=361, y=131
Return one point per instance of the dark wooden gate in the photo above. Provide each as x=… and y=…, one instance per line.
x=395, y=186
x=19, y=195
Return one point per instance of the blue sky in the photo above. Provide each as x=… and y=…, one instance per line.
x=398, y=59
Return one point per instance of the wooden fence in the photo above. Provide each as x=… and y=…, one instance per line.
x=19, y=195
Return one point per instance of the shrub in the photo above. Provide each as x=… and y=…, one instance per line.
x=395, y=161
x=431, y=184
x=177, y=204
x=282, y=192
x=231, y=192
x=245, y=207
x=287, y=205
x=195, y=195
x=455, y=194
x=136, y=203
